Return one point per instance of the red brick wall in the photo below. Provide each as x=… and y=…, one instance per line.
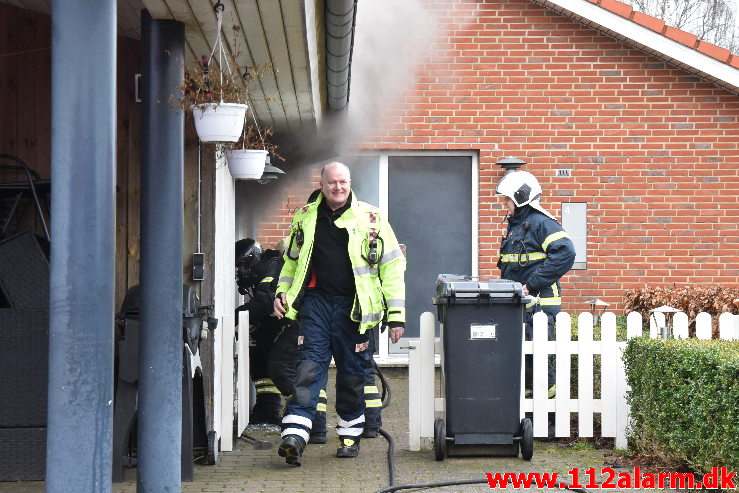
x=275, y=224
x=653, y=149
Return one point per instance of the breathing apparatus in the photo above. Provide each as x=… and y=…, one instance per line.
x=297, y=239
x=370, y=245
x=373, y=246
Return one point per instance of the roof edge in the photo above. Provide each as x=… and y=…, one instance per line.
x=654, y=37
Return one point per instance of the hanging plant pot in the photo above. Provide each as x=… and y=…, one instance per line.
x=246, y=164
x=219, y=122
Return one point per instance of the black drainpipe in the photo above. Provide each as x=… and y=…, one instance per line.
x=341, y=17
x=160, y=338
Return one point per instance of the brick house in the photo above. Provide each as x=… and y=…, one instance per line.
x=631, y=126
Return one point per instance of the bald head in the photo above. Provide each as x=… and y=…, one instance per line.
x=335, y=164
x=335, y=184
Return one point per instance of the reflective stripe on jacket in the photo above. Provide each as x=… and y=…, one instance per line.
x=380, y=289
x=537, y=252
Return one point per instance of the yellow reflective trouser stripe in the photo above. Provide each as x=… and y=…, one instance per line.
x=552, y=238
x=525, y=257
x=550, y=301
x=370, y=389
x=265, y=386
x=268, y=279
x=267, y=390
x=321, y=407
x=322, y=394
x=556, y=300
x=373, y=403
x=555, y=290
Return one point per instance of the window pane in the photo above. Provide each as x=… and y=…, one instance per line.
x=365, y=177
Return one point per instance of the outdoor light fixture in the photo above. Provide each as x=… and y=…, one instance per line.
x=270, y=172
x=595, y=305
x=510, y=164
x=666, y=329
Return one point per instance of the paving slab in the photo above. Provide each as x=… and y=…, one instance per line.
x=248, y=469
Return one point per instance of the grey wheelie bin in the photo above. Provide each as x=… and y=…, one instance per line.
x=481, y=361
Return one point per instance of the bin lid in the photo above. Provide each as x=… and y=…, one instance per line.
x=460, y=287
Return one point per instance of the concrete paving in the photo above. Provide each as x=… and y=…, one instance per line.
x=248, y=469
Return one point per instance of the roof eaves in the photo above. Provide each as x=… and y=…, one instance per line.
x=652, y=36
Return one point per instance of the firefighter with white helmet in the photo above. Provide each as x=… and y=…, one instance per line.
x=523, y=189
x=535, y=251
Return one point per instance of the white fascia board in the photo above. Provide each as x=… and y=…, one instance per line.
x=309, y=9
x=653, y=41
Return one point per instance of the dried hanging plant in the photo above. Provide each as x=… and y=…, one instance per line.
x=205, y=83
x=250, y=139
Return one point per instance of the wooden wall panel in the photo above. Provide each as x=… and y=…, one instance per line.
x=25, y=131
x=25, y=87
x=128, y=166
x=10, y=58
x=33, y=96
x=25, y=121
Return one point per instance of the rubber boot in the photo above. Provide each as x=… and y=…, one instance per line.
x=291, y=449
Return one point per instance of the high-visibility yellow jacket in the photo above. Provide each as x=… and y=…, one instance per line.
x=380, y=288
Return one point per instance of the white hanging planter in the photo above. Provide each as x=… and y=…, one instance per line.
x=219, y=122
x=246, y=164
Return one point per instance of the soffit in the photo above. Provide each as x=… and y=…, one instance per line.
x=256, y=32
x=287, y=96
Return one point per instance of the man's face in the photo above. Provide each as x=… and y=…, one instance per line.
x=509, y=205
x=335, y=186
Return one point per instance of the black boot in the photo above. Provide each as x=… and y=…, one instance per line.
x=291, y=449
x=370, y=432
x=349, y=448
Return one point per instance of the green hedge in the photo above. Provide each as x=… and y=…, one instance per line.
x=684, y=401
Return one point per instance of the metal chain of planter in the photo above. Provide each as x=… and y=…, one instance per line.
x=250, y=109
x=218, y=8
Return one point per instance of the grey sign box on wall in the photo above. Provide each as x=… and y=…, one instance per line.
x=575, y=222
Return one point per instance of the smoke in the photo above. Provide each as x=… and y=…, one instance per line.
x=391, y=39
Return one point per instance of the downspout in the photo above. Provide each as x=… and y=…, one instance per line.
x=341, y=17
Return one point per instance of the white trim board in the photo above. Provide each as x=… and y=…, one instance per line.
x=648, y=41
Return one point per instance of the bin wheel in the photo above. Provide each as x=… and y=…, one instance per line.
x=527, y=439
x=212, y=447
x=439, y=439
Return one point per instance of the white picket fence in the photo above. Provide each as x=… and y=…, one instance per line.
x=611, y=405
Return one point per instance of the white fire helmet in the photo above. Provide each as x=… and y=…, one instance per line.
x=523, y=189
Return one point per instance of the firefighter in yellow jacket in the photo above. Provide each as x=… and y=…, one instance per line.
x=343, y=275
